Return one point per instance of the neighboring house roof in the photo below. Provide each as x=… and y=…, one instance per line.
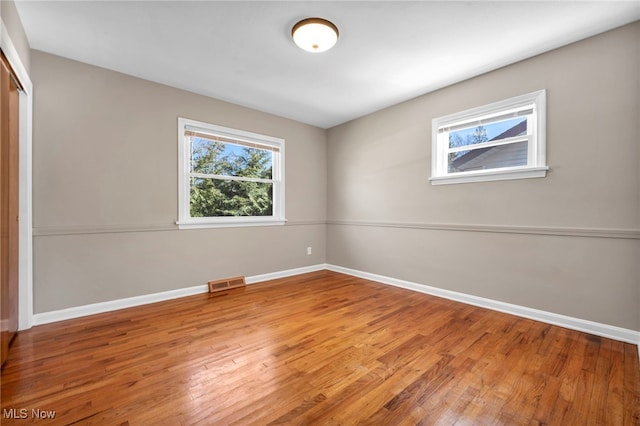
x=464, y=162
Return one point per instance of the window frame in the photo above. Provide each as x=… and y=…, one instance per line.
x=536, y=154
x=185, y=221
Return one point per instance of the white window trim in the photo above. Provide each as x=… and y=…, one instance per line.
x=536, y=166
x=185, y=221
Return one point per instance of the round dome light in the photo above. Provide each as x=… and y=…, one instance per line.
x=315, y=34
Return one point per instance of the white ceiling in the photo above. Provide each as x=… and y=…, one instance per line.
x=242, y=52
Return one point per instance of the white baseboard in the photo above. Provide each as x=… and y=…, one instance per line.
x=598, y=329
x=283, y=274
x=113, y=305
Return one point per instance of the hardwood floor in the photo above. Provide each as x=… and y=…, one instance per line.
x=319, y=348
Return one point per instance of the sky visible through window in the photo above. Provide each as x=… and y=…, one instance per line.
x=493, y=129
x=230, y=150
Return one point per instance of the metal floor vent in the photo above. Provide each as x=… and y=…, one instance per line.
x=226, y=284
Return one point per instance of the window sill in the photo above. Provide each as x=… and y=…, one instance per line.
x=490, y=175
x=229, y=223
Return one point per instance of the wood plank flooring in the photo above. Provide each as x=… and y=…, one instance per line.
x=320, y=348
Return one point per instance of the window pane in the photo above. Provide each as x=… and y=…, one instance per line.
x=490, y=132
x=510, y=155
x=219, y=198
x=218, y=158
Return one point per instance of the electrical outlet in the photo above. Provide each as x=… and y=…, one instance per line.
x=309, y=251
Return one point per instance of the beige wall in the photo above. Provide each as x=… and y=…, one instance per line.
x=11, y=20
x=105, y=190
x=379, y=167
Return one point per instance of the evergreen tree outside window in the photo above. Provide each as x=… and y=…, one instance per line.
x=229, y=177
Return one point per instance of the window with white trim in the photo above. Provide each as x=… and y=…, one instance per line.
x=502, y=140
x=228, y=177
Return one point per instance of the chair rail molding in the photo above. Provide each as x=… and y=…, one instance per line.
x=503, y=229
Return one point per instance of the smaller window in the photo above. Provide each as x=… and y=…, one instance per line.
x=228, y=177
x=502, y=140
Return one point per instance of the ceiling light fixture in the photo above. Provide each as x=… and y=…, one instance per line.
x=315, y=34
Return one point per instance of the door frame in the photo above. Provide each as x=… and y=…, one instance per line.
x=25, y=227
